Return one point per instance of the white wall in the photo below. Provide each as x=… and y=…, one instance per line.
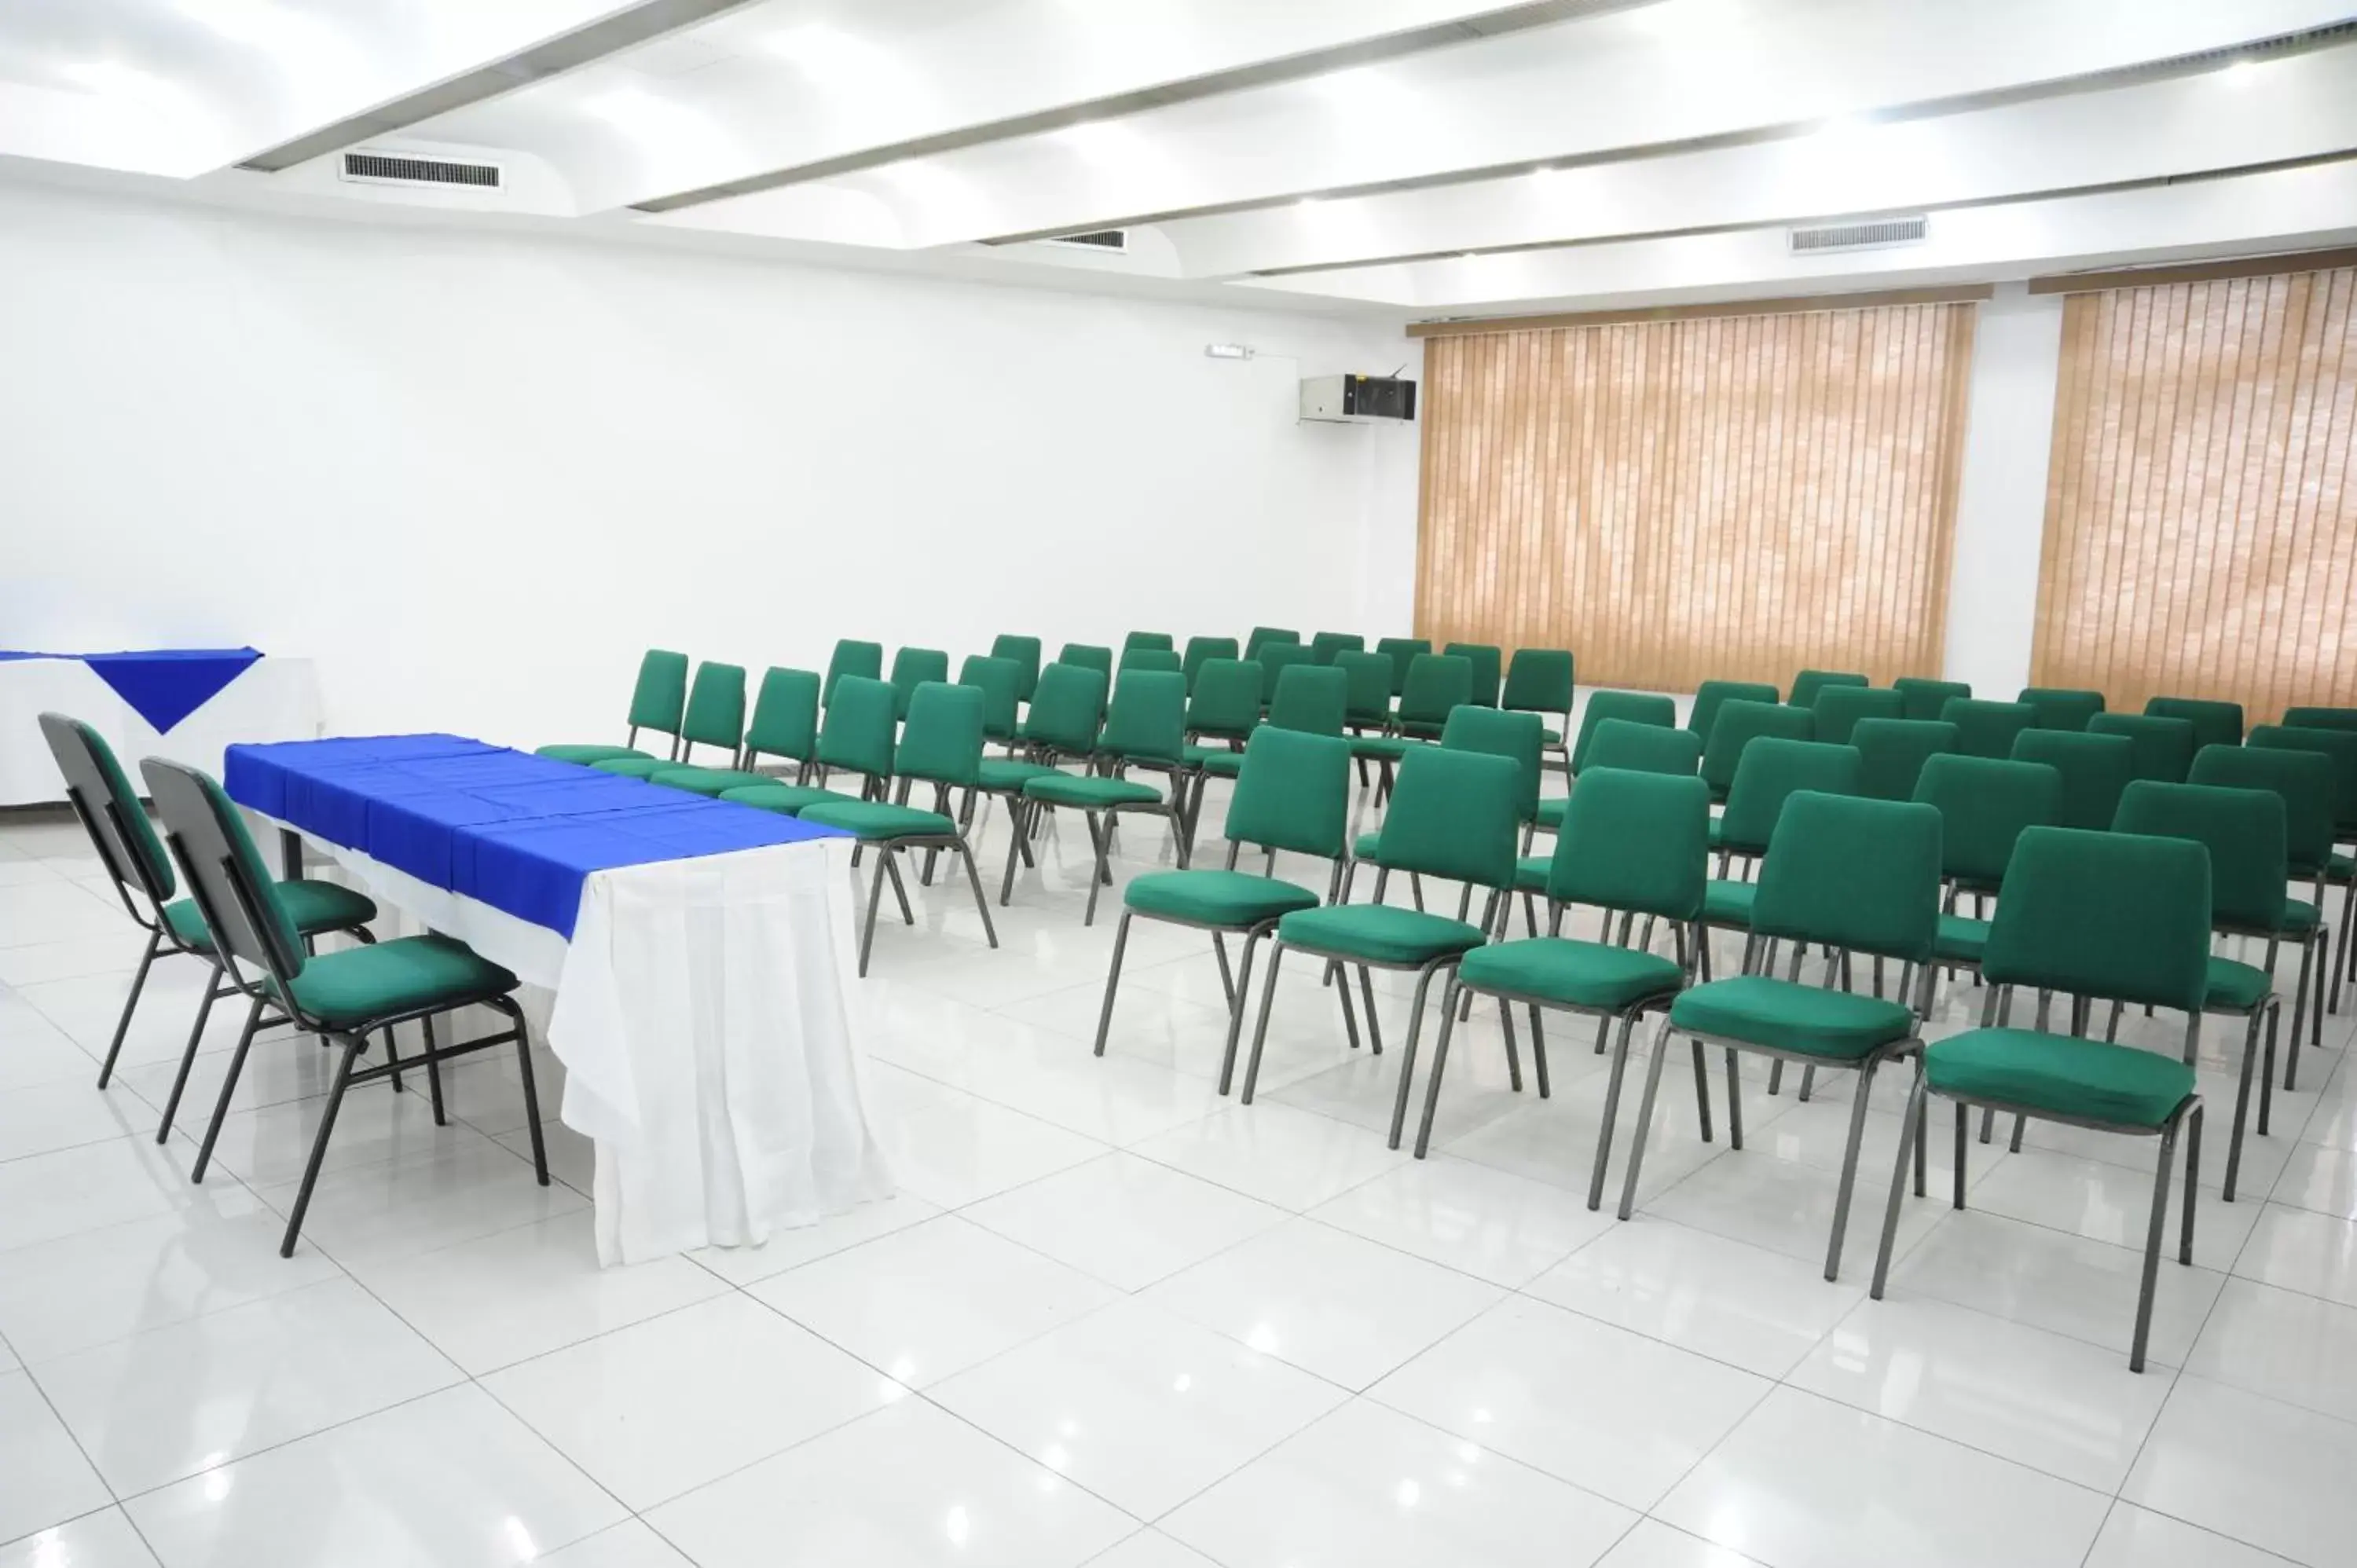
x=474, y=473
x=2001, y=506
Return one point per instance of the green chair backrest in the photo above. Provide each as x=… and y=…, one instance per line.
x=2341, y=746
x=1225, y=703
x=716, y=707
x=912, y=667
x=2214, y=723
x=1486, y=661
x=1264, y=634
x=1400, y=651
x=1147, y=720
x=126, y=840
x=660, y=699
x=2164, y=748
x=1000, y=681
x=2123, y=916
x=1712, y=695
x=1741, y=722
x=1293, y=792
x=1923, y=697
x=2319, y=718
x=1891, y=754
x=1603, y=707
x=1985, y=806
x=1089, y=655
x=2241, y=829
x=1324, y=645
x=1853, y=874
x=2061, y=707
x=942, y=743
x=1202, y=651
x=1808, y=683
x=1642, y=748
x=1161, y=659
x=1772, y=771
x=1311, y=698
x=1539, y=680
x=1367, y=679
x=1024, y=653
x=2096, y=769
x=1436, y=682
x=1159, y=640
x=1985, y=728
x=1520, y=738
x=2304, y=781
x=852, y=656
x=1634, y=840
x=1275, y=658
x=1452, y=816
x=224, y=871
x=1066, y=708
x=1839, y=708
x=858, y=731
x=785, y=716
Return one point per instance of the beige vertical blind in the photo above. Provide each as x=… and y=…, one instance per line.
x=2201, y=521
x=1739, y=497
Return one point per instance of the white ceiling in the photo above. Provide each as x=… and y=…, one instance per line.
x=1417, y=158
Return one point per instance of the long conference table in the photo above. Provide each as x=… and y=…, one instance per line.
x=699, y=953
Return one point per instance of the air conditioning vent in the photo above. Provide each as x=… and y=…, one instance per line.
x=1096, y=240
x=1875, y=234
x=386, y=168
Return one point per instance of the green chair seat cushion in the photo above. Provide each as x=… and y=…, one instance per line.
x=1531, y=872
x=1221, y=764
x=878, y=819
x=1551, y=736
x=415, y=974
x=1378, y=933
x=1007, y=773
x=2086, y=1080
x=1574, y=973
x=1200, y=752
x=1551, y=810
x=2234, y=987
x=1961, y=938
x=312, y=908
x=2299, y=915
x=586, y=755
x=1363, y=846
x=1727, y=903
x=713, y=781
x=2339, y=867
x=1784, y=1016
x=1235, y=899
x=1382, y=747
x=786, y=800
x=1418, y=730
x=635, y=767
x=1092, y=793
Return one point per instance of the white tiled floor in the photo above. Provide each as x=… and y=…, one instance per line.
x=1116, y=1319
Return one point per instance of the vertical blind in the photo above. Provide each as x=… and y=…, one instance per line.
x=2201, y=515
x=1733, y=497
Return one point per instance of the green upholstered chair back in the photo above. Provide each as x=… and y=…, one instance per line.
x=1452, y=815
x=117, y=825
x=1985, y=728
x=1740, y=723
x=1985, y=806
x=1324, y=645
x=1772, y=771
x=1837, y=709
x=1632, y=707
x=1313, y=699
x=2214, y=723
x=1225, y=702
x=225, y=872
x=1202, y=651
x=1367, y=679
x=1158, y=658
x=1147, y=720
x=1293, y=792
x=942, y=743
x=1891, y=754
x=1066, y=708
x=2164, y=748
x=852, y=656
x=785, y=716
x=2337, y=744
x=2061, y=707
x=1261, y=635
x=1539, y=680
x=1642, y=748
x=1923, y=698
x=2095, y=769
x=1157, y=639
x=1024, y=653
x=1000, y=681
x=1088, y=655
x=858, y=731
x=1400, y=651
x=2241, y=829
x=911, y=668
x=1634, y=840
x=1487, y=661
x=1809, y=683
x=659, y=698
x=1275, y=658
x=2319, y=718
x=2303, y=779
x=1853, y=873
x=1436, y=682
x=1713, y=695
x=716, y=707
x=1519, y=737
x=2118, y=915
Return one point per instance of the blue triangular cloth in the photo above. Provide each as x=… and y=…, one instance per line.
x=165, y=686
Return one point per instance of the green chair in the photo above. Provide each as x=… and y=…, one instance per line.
x=1740, y=723
x=1023, y=652
x=2117, y=917
x=1146, y=727
x=1891, y=754
x=911, y=668
x=1540, y=680
x=856, y=738
x=2164, y=748
x=2340, y=747
x=1839, y=709
x=784, y=723
x=1607, y=707
x=1161, y=641
x=2061, y=707
x=1635, y=843
x=1487, y=661
x=1325, y=644
x=714, y=717
x=1292, y=794
x=1066, y=709
x=1452, y=816
x=1922, y=698
x=1712, y=695
x=1202, y=651
x=1985, y=728
x=1275, y=658
x=2319, y=718
x=1088, y=656
x=1000, y=681
x=1984, y=807
x=1158, y=658
x=852, y=656
x=1496, y=733
x=1223, y=709
x=134, y=861
x=2303, y=781
x=341, y=997
x=1263, y=635
x=1809, y=684
x=2095, y=769
x=941, y=745
x=1641, y=748
x=1437, y=684
x=1311, y=698
x=2214, y=723
x=1402, y=651
x=656, y=704
x=1856, y=876
x=1773, y=771
x=1367, y=703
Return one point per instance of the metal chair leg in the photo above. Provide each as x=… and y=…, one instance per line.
x=1849, y=1167
x=1513, y=1052
x=352, y=1045
x=2298, y=1014
x=1227, y=980
x=889, y=856
x=1734, y=1102
x=1367, y=994
x=1538, y=1052
x=1611, y=1111
x=981, y=904
x=188, y=1054
x=228, y=1088
x=1407, y=1055
x=1963, y=1140
x=507, y=1004
x=2152, y=1248
x=1644, y=1119
x=1260, y=1028
x=1236, y=1009
x=1439, y=1060
x=2242, y=1098
x=1909, y=1127
x=1098, y=874
x=122, y=1024
x=433, y=1070
x=874, y=902
x=1702, y=1088
x=1113, y=979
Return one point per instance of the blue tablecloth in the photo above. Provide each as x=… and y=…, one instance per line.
x=162, y=685
x=518, y=833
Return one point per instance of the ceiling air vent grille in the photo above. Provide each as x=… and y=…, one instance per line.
x=1873, y=234
x=1096, y=240
x=384, y=168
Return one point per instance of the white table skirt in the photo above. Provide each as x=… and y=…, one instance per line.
x=701, y=1013
x=273, y=699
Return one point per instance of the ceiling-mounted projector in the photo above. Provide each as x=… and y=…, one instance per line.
x=1358, y=399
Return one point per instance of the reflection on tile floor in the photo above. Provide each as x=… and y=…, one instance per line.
x=1115, y=1318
